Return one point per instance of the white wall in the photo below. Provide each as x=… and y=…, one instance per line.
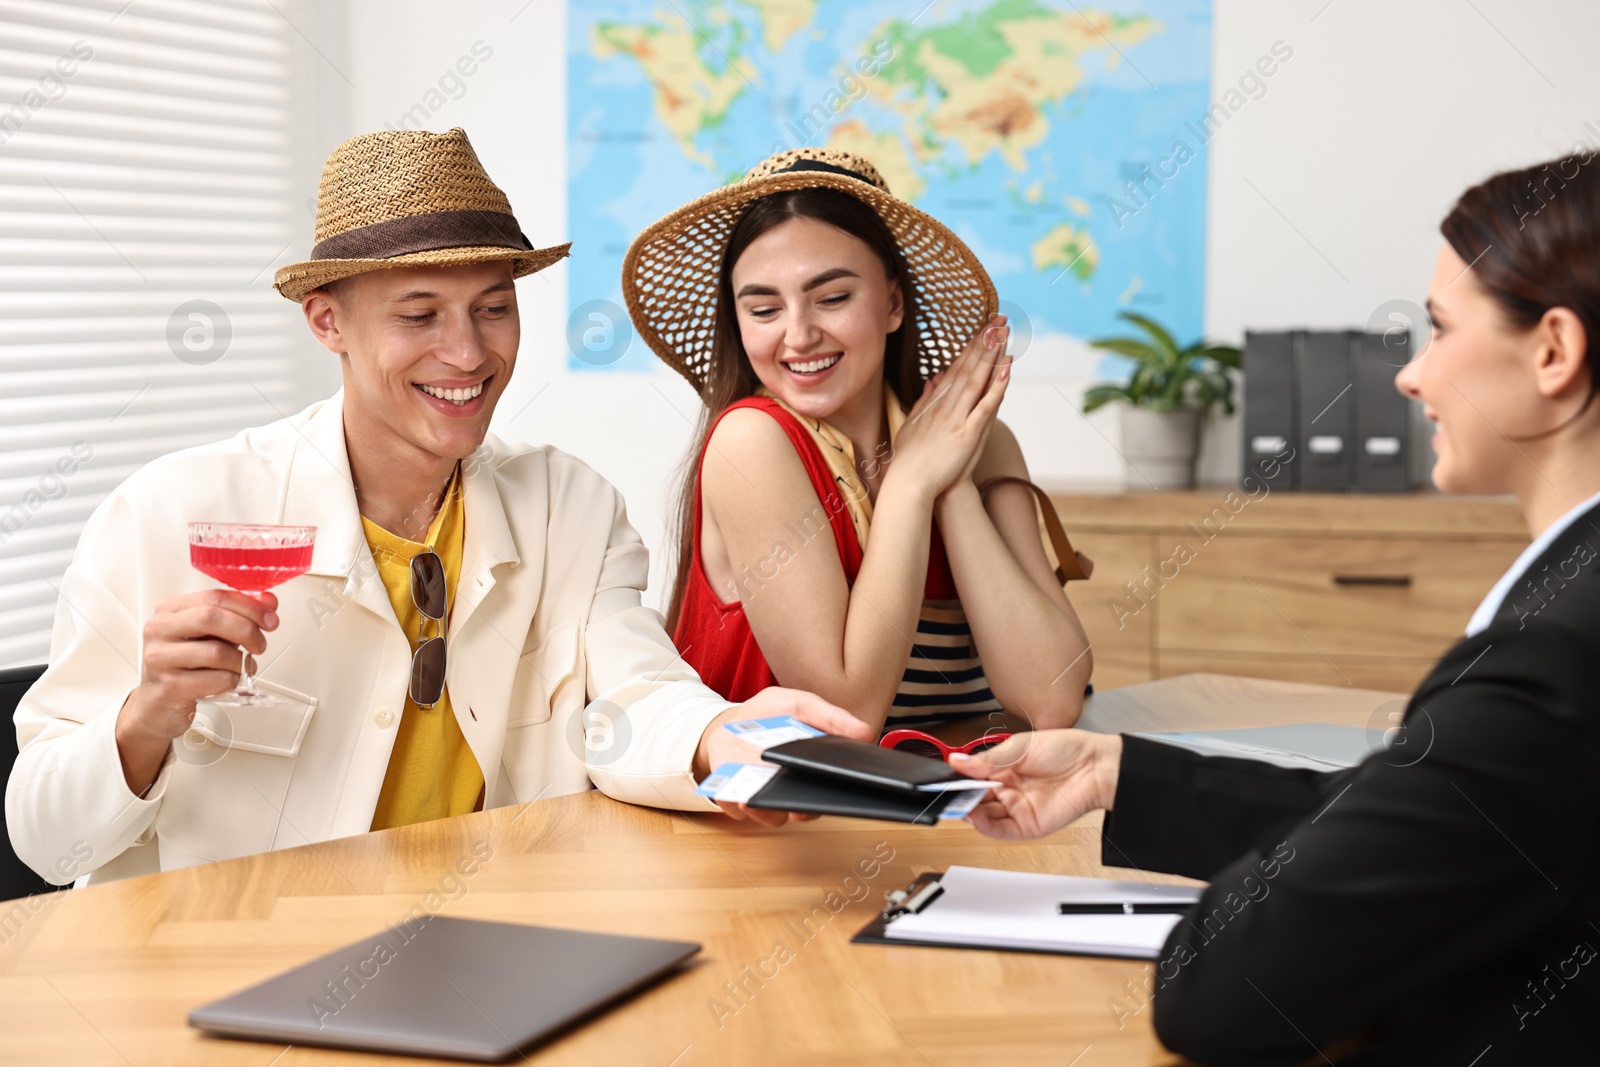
x=1385, y=114
x=1324, y=194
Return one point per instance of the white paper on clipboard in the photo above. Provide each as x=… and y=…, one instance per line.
x=1017, y=909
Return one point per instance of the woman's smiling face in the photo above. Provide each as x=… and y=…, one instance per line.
x=814, y=306
x=1476, y=383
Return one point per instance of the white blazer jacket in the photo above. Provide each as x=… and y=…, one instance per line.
x=558, y=675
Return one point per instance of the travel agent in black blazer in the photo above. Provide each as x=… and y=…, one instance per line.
x=1445, y=890
x=1440, y=903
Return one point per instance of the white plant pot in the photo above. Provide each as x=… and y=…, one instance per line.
x=1160, y=447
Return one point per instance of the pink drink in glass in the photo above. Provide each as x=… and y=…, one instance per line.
x=251, y=568
x=252, y=559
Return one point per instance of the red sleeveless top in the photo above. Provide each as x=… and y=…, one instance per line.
x=714, y=635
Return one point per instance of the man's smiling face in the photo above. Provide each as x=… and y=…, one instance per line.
x=426, y=353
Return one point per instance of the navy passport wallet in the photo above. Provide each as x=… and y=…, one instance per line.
x=817, y=794
x=862, y=762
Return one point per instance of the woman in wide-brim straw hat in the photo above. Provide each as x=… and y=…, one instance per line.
x=847, y=350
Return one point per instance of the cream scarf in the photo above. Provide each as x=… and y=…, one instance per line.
x=840, y=455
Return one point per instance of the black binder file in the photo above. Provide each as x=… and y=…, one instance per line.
x=1326, y=410
x=1383, y=415
x=1271, y=445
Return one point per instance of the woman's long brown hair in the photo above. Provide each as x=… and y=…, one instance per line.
x=731, y=378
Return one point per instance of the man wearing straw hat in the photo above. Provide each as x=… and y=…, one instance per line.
x=469, y=633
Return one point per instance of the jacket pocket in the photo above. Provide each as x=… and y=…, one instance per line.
x=273, y=730
x=232, y=774
x=546, y=675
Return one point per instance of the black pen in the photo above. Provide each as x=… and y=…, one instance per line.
x=1174, y=908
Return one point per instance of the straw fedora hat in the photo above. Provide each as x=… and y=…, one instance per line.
x=669, y=277
x=407, y=198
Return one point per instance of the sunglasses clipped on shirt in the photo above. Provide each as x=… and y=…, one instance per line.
x=427, y=662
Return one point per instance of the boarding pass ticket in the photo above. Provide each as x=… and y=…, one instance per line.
x=764, y=733
x=736, y=783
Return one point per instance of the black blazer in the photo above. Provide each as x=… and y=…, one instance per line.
x=1444, y=895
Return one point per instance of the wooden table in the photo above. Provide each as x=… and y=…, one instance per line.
x=107, y=975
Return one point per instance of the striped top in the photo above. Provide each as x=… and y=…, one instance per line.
x=945, y=676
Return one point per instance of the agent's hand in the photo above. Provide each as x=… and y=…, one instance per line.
x=946, y=429
x=719, y=746
x=1048, y=778
x=191, y=651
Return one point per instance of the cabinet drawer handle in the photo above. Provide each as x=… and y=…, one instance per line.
x=1399, y=581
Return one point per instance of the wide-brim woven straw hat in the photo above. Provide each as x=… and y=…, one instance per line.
x=409, y=198
x=669, y=277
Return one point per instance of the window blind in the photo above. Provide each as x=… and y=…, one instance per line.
x=144, y=203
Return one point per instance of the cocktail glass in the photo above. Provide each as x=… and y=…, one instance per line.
x=251, y=558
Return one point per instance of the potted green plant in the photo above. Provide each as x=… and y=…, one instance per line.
x=1166, y=397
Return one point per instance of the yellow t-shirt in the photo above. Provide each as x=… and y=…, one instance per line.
x=432, y=772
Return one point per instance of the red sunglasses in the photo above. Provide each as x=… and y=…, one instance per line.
x=921, y=744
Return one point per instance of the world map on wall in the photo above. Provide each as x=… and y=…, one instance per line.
x=1063, y=141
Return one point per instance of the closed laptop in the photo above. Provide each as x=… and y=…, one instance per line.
x=438, y=986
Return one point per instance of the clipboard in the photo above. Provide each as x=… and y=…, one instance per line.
x=927, y=887
x=923, y=890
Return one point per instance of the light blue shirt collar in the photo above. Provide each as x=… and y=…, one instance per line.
x=1491, y=604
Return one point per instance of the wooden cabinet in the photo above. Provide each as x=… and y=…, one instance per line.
x=1122, y=645
x=1359, y=590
